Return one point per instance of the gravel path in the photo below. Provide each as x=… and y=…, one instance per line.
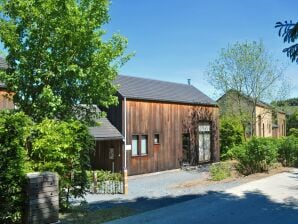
x=152, y=191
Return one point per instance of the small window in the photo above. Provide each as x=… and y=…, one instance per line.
x=156, y=138
x=144, y=145
x=134, y=145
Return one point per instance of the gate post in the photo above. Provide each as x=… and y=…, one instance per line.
x=125, y=182
x=42, y=204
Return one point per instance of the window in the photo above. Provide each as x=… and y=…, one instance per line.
x=156, y=138
x=134, y=145
x=144, y=144
x=139, y=145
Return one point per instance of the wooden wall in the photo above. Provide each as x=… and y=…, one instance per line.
x=170, y=121
x=6, y=100
x=100, y=159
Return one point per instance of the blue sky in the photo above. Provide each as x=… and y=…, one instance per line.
x=176, y=39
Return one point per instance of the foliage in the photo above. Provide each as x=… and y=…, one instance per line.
x=256, y=155
x=289, y=32
x=287, y=102
x=249, y=71
x=59, y=62
x=293, y=132
x=13, y=135
x=103, y=175
x=292, y=120
x=63, y=147
x=288, y=151
x=220, y=171
x=231, y=134
x=105, y=182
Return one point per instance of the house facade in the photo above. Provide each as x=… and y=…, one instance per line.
x=266, y=121
x=156, y=126
x=164, y=125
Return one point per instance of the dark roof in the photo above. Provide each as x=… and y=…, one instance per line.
x=155, y=90
x=105, y=131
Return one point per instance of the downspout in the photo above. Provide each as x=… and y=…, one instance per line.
x=125, y=166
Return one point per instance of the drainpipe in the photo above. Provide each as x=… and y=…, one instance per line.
x=125, y=178
x=125, y=167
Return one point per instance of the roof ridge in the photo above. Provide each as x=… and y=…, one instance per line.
x=158, y=80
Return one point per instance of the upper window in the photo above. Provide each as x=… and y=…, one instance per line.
x=156, y=138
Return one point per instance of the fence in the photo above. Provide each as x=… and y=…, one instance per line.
x=105, y=182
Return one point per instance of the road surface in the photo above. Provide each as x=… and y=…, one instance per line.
x=272, y=200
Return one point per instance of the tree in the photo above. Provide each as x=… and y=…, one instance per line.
x=59, y=63
x=289, y=32
x=249, y=72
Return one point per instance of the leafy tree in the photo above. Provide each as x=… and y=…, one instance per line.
x=248, y=72
x=231, y=134
x=14, y=131
x=65, y=148
x=292, y=120
x=289, y=32
x=58, y=58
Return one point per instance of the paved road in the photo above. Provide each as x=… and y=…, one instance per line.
x=271, y=200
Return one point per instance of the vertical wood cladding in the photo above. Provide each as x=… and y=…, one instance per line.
x=101, y=159
x=170, y=121
x=6, y=100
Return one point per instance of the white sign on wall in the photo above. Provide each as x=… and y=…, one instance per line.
x=127, y=147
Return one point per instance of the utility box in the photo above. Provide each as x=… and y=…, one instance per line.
x=42, y=204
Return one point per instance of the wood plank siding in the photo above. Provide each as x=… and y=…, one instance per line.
x=170, y=121
x=102, y=160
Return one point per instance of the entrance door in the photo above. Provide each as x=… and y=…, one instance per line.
x=186, y=148
x=204, y=142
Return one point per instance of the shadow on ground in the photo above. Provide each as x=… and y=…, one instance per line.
x=212, y=207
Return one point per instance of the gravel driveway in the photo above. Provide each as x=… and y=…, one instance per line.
x=152, y=191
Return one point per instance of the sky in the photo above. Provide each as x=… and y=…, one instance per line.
x=176, y=39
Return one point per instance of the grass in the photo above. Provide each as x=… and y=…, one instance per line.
x=220, y=171
x=81, y=214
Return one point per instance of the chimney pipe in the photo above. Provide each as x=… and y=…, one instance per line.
x=189, y=81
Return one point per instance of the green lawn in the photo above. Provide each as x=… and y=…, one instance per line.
x=80, y=215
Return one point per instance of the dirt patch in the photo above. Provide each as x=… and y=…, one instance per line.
x=235, y=176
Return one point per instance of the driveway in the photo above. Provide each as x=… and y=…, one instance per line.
x=271, y=200
x=153, y=191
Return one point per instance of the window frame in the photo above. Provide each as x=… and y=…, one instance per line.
x=158, y=142
x=139, y=145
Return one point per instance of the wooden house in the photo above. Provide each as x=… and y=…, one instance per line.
x=156, y=126
x=164, y=125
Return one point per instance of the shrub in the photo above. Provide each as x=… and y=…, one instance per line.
x=231, y=134
x=294, y=132
x=257, y=155
x=220, y=171
x=63, y=147
x=13, y=134
x=288, y=151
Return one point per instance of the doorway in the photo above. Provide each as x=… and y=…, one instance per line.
x=204, y=136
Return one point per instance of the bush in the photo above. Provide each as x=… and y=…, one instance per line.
x=13, y=134
x=231, y=134
x=257, y=155
x=220, y=171
x=63, y=147
x=288, y=151
x=294, y=132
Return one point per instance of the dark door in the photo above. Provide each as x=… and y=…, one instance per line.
x=186, y=148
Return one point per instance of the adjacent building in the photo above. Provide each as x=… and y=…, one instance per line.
x=262, y=119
